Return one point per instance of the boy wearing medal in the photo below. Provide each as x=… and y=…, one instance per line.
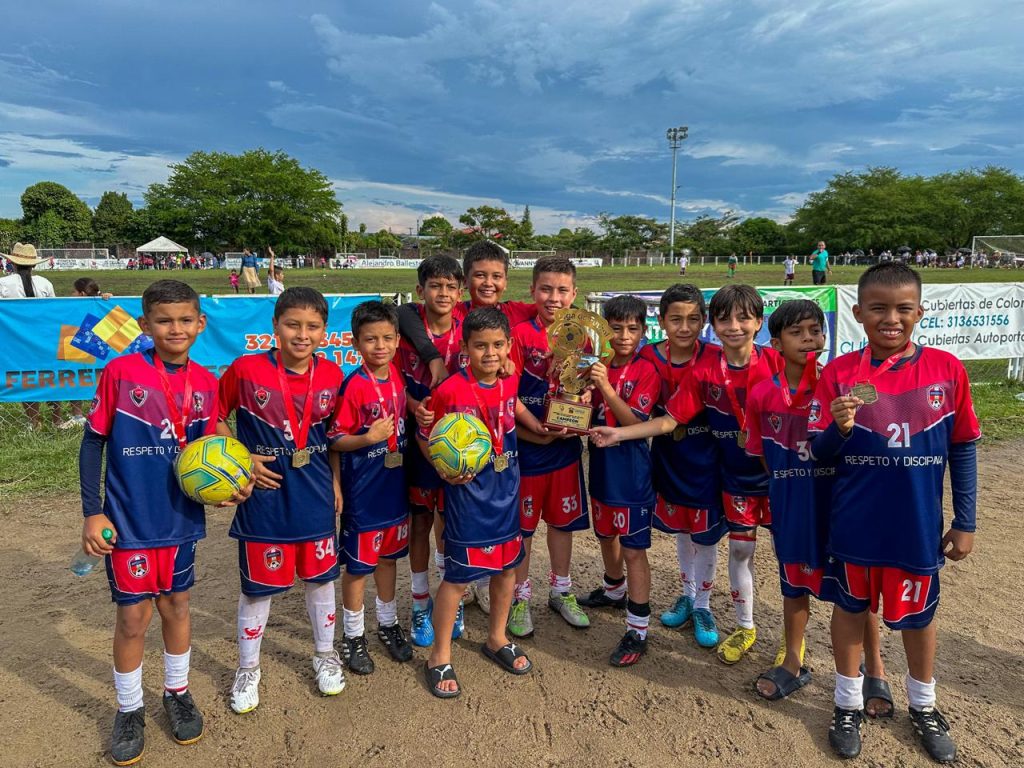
x=481, y=533
x=147, y=406
x=439, y=284
x=625, y=390
x=799, y=491
x=552, y=473
x=369, y=431
x=686, y=479
x=719, y=385
x=892, y=416
x=284, y=400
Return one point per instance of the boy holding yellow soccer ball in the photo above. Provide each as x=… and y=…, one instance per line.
x=148, y=405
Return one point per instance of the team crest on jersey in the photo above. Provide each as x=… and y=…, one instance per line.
x=627, y=389
x=528, y=506
x=739, y=504
x=262, y=397
x=138, y=565
x=374, y=411
x=814, y=412
x=378, y=541
x=715, y=391
x=197, y=402
x=414, y=361
x=273, y=557
x=95, y=405
x=510, y=406
x=776, y=421
x=138, y=396
x=325, y=400
x=805, y=569
x=463, y=360
x=536, y=356
x=644, y=400
x=487, y=550
x=936, y=396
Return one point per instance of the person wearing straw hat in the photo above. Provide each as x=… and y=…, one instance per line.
x=23, y=284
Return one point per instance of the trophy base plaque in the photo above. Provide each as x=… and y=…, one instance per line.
x=571, y=415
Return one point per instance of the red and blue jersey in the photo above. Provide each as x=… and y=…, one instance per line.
x=373, y=494
x=485, y=511
x=799, y=488
x=418, y=471
x=130, y=410
x=706, y=389
x=887, y=496
x=620, y=476
x=302, y=509
x=530, y=353
x=685, y=461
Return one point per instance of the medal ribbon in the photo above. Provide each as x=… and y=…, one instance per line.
x=300, y=430
x=177, y=415
x=805, y=389
x=730, y=386
x=392, y=373
x=451, y=339
x=609, y=416
x=864, y=372
x=497, y=431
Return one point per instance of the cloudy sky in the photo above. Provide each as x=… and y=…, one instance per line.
x=416, y=107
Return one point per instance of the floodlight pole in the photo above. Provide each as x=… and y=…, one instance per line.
x=675, y=137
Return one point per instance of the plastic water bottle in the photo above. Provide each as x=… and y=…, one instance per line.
x=83, y=564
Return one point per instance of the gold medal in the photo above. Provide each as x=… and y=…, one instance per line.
x=300, y=458
x=866, y=392
x=500, y=463
x=741, y=439
x=392, y=459
x=679, y=432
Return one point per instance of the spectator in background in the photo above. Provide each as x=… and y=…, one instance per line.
x=789, y=265
x=275, y=276
x=819, y=264
x=732, y=265
x=249, y=271
x=24, y=285
x=233, y=279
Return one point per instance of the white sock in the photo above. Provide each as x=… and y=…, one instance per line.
x=420, y=589
x=439, y=564
x=129, y=689
x=253, y=613
x=322, y=608
x=176, y=671
x=849, y=692
x=741, y=580
x=354, y=626
x=615, y=592
x=705, y=561
x=561, y=584
x=920, y=695
x=638, y=623
x=685, y=554
x=524, y=590
x=387, y=613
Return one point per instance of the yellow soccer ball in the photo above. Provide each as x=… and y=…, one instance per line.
x=213, y=468
x=459, y=443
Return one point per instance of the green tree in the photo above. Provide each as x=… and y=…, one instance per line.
x=214, y=199
x=623, y=233
x=759, y=235
x=710, y=235
x=487, y=222
x=114, y=219
x=53, y=215
x=10, y=233
x=524, y=235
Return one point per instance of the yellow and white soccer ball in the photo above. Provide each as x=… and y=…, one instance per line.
x=459, y=444
x=213, y=468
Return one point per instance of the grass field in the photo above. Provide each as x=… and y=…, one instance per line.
x=41, y=463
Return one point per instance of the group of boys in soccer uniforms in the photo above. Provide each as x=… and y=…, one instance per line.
x=843, y=465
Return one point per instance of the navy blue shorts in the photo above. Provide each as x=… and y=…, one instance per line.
x=463, y=565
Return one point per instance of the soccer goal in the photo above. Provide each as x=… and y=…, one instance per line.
x=998, y=251
x=76, y=258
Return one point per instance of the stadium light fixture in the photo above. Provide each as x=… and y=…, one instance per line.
x=675, y=137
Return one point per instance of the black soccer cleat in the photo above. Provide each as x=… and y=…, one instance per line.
x=844, y=733
x=185, y=717
x=357, y=656
x=933, y=731
x=629, y=650
x=128, y=741
x=599, y=599
x=394, y=640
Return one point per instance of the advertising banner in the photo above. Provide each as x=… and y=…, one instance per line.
x=56, y=348
x=974, y=321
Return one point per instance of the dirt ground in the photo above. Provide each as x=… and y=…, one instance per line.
x=678, y=706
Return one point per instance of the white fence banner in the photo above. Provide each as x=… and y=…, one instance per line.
x=528, y=263
x=974, y=321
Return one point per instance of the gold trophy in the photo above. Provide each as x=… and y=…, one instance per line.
x=568, y=337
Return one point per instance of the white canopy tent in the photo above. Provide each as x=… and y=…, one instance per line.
x=161, y=245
